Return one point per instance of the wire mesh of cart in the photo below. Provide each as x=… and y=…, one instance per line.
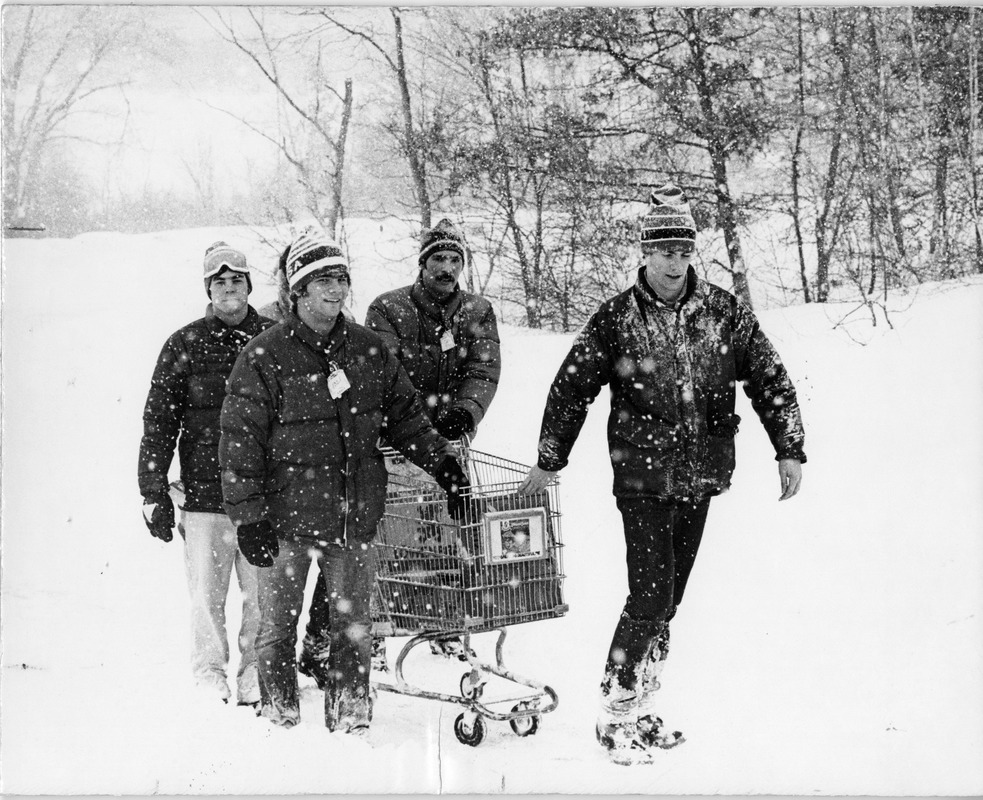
x=437, y=578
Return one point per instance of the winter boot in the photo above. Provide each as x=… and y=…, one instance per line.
x=450, y=648
x=348, y=709
x=617, y=725
x=247, y=688
x=652, y=666
x=651, y=732
x=380, y=662
x=313, y=661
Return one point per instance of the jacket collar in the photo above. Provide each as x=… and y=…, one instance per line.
x=692, y=295
x=326, y=344
x=429, y=305
x=218, y=328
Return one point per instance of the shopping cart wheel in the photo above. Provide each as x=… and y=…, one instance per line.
x=524, y=725
x=472, y=732
x=472, y=685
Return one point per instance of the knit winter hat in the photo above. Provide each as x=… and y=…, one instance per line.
x=221, y=256
x=313, y=253
x=669, y=218
x=442, y=236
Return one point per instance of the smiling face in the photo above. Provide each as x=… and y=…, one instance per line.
x=321, y=300
x=666, y=266
x=441, y=271
x=230, y=296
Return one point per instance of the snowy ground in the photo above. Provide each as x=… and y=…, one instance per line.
x=832, y=644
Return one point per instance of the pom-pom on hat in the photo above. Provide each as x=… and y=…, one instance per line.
x=669, y=218
x=442, y=236
x=221, y=256
x=313, y=253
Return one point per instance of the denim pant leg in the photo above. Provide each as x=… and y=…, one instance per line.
x=281, y=598
x=247, y=679
x=349, y=574
x=210, y=548
x=662, y=540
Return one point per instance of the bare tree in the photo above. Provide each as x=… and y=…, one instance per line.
x=409, y=135
x=317, y=150
x=53, y=59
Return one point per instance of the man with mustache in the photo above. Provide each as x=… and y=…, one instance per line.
x=447, y=341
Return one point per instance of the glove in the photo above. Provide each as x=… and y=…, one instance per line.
x=455, y=423
x=158, y=513
x=258, y=543
x=451, y=478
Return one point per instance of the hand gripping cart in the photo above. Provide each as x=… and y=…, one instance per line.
x=437, y=578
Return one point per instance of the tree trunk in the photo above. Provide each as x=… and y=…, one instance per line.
x=796, y=155
x=825, y=240
x=338, y=178
x=418, y=169
x=974, y=97
x=717, y=147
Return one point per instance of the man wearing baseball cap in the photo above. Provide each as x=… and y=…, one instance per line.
x=183, y=409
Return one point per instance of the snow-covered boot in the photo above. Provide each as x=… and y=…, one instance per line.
x=652, y=666
x=617, y=724
x=313, y=661
x=348, y=709
x=380, y=662
x=450, y=648
x=652, y=732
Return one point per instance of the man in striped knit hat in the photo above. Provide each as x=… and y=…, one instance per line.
x=672, y=348
x=303, y=479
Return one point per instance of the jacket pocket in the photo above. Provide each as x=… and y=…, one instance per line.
x=718, y=466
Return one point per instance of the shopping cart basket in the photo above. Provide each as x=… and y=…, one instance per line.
x=499, y=565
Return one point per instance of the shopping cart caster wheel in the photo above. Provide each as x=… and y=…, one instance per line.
x=472, y=685
x=524, y=726
x=469, y=733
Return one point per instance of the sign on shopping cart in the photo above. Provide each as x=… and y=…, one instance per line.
x=517, y=535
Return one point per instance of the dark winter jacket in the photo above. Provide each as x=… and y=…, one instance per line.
x=307, y=463
x=411, y=323
x=185, y=400
x=672, y=375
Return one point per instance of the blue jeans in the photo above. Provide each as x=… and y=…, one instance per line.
x=349, y=574
x=211, y=550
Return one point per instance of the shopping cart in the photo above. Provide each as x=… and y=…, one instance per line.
x=499, y=565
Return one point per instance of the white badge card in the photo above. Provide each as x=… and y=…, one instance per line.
x=446, y=341
x=338, y=384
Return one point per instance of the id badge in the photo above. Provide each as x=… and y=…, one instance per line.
x=446, y=341
x=338, y=383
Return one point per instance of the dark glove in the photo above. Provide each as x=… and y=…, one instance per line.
x=258, y=543
x=451, y=478
x=158, y=513
x=455, y=423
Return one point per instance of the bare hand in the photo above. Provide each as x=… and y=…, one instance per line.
x=790, y=475
x=536, y=481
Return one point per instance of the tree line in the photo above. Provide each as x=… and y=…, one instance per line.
x=851, y=132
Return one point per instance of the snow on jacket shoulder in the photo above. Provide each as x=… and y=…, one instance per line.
x=411, y=323
x=672, y=376
x=185, y=400
x=308, y=462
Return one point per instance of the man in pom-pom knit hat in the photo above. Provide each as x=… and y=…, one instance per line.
x=447, y=340
x=185, y=400
x=303, y=479
x=672, y=348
